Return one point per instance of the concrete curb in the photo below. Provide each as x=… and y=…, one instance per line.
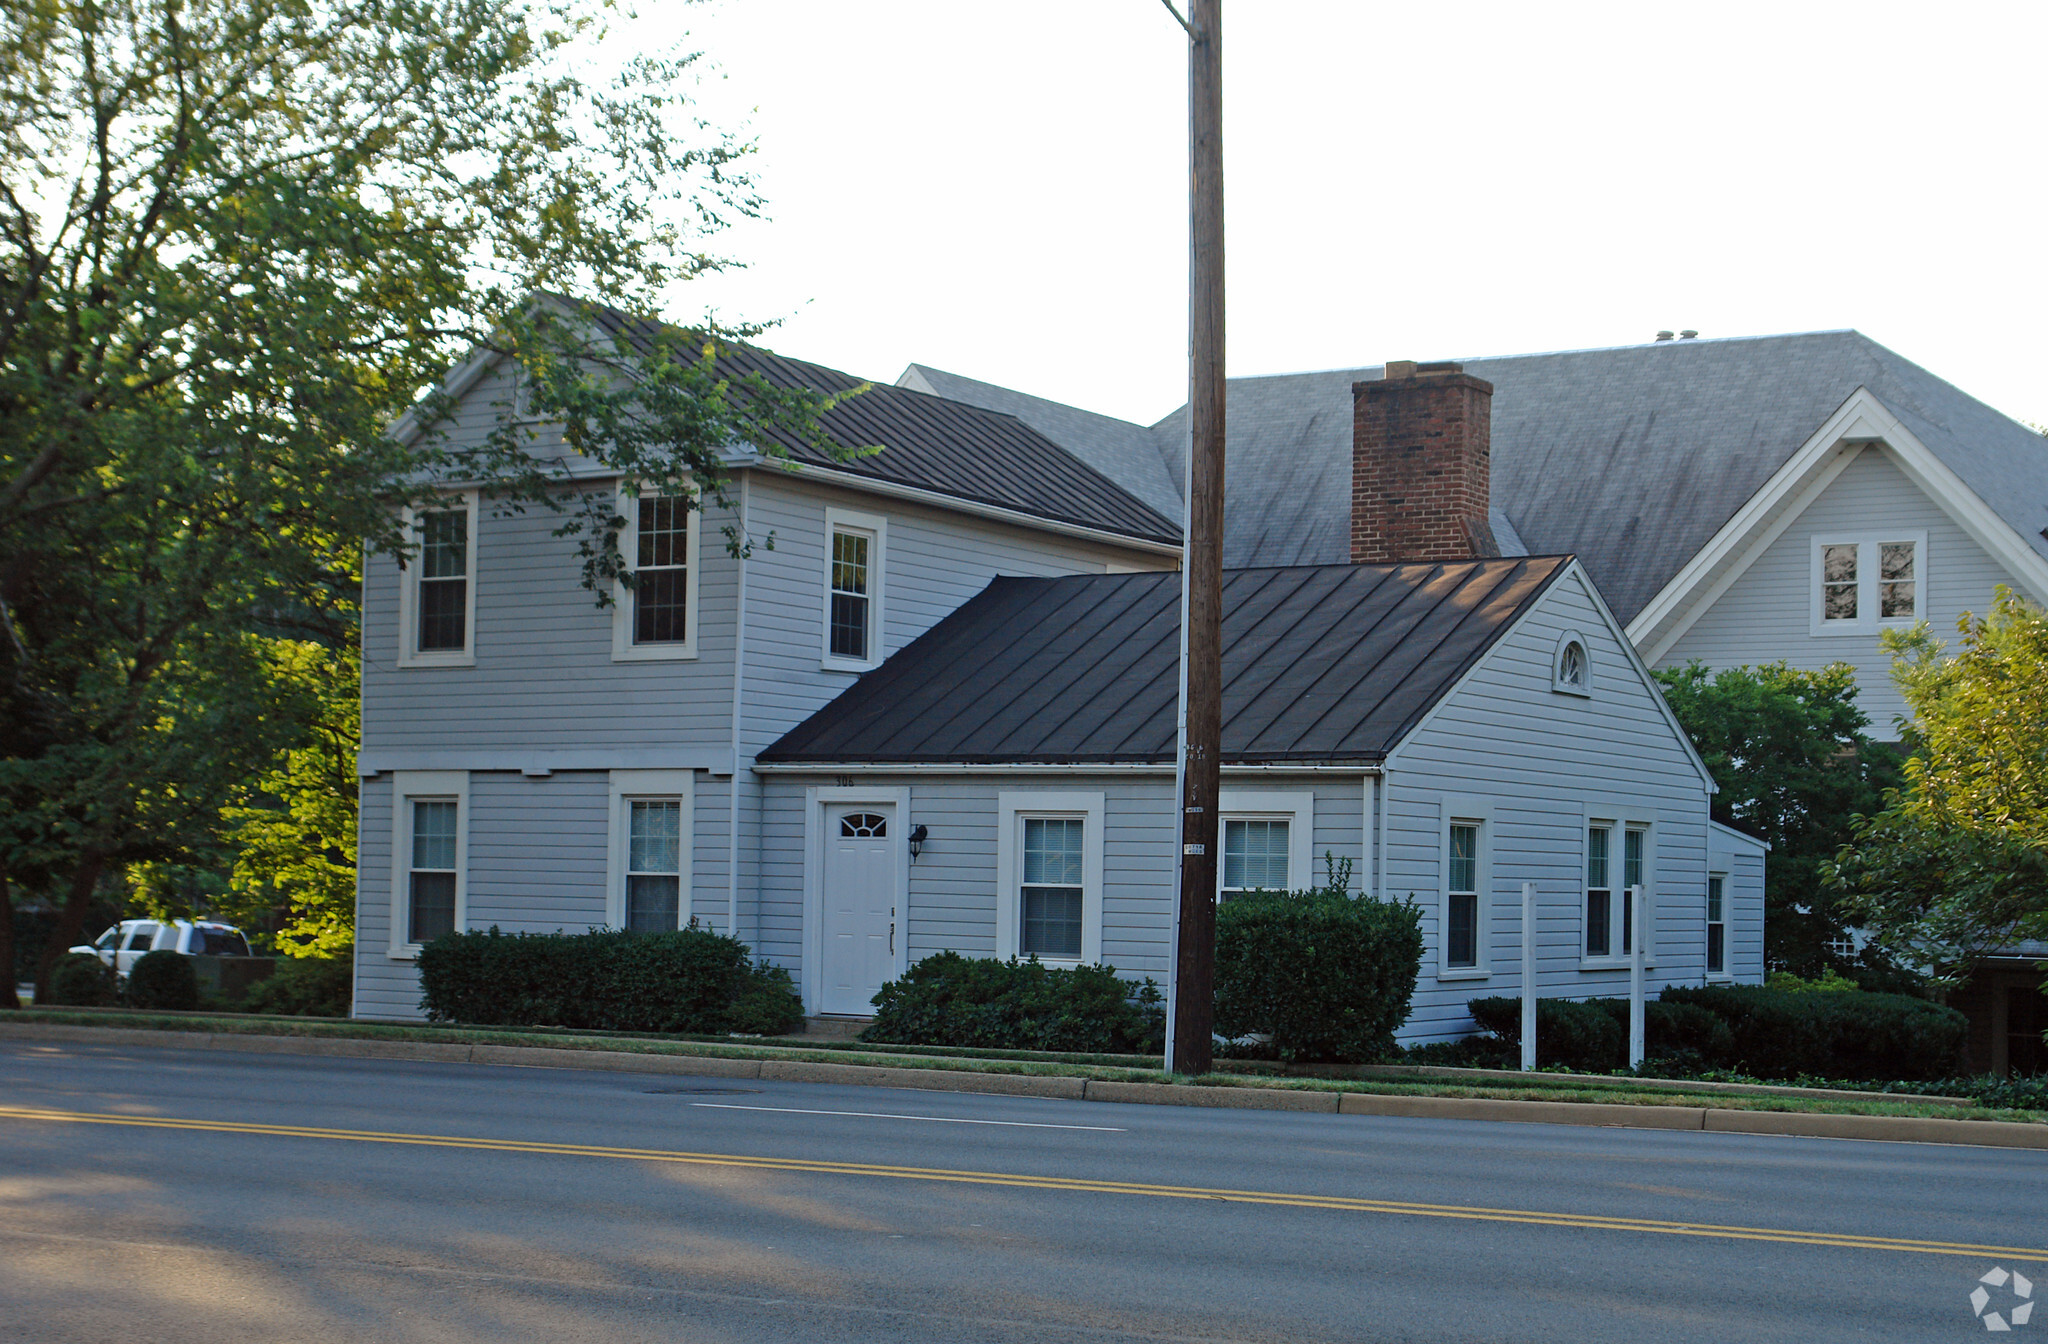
x=1882, y=1128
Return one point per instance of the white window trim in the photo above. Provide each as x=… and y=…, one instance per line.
x=876, y=526
x=1465, y=809
x=1012, y=809
x=1621, y=819
x=1295, y=807
x=407, y=785
x=624, y=650
x=1727, y=971
x=1867, y=621
x=409, y=654
x=647, y=785
x=1557, y=681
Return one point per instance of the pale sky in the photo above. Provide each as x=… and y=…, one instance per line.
x=999, y=189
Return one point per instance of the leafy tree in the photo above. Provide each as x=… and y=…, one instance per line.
x=1789, y=752
x=294, y=834
x=236, y=236
x=1956, y=865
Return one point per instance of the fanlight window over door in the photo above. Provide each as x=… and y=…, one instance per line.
x=863, y=826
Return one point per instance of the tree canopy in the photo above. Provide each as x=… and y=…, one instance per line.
x=1956, y=864
x=1789, y=752
x=237, y=237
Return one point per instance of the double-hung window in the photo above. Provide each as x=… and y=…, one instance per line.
x=1051, y=895
x=1461, y=900
x=1599, y=891
x=648, y=889
x=854, y=546
x=1617, y=862
x=429, y=848
x=437, y=602
x=656, y=616
x=1863, y=582
x=654, y=848
x=1717, y=927
x=1049, y=865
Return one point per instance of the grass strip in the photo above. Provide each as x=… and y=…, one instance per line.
x=1531, y=1087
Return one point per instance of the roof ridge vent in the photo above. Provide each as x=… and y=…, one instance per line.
x=1664, y=335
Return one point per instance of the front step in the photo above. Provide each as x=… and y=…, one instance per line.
x=835, y=1028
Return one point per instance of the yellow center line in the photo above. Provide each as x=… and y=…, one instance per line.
x=1341, y=1203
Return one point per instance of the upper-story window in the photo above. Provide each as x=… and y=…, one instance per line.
x=656, y=616
x=1571, y=669
x=437, y=596
x=1862, y=582
x=854, y=544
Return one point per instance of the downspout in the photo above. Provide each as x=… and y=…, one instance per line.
x=1386, y=798
x=739, y=681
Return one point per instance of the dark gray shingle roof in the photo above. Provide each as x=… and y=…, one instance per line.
x=1320, y=663
x=1128, y=454
x=949, y=447
x=1631, y=457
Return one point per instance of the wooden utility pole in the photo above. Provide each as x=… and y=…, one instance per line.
x=1194, y=1000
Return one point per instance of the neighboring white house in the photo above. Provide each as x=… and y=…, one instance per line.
x=1737, y=501
x=534, y=762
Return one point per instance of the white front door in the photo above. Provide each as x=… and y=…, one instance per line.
x=860, y=905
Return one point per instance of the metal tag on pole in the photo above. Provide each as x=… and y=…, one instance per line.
x=1635, y=975
x=1528, y=976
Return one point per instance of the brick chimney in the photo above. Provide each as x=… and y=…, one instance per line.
x=1421, y=465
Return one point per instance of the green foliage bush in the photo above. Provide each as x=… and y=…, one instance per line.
x=948, y=999
x=605, y=980
x=163, y=980
x=81, y=980
x=1592, y=1036
x=304, y=987
x=1789, y=1034
x=1328, y=976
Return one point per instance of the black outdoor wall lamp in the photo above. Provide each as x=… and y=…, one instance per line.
x=917, y=835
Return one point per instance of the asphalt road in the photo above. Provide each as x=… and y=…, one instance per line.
x=458, y=1202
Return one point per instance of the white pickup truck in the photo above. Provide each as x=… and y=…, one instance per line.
x=121, y=946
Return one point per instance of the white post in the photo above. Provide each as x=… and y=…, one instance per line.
x=1528, y=976
x=1635, y=975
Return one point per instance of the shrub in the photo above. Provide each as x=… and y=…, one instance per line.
x=604, y=980
x=1592, y=1036
x=948, y=999
x=1790, y=1034
x=163, y=980
x=82, y=980
x=303, y=987
x=1328, y=976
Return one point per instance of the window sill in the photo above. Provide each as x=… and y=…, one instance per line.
x=1464, y=973
x=1613, y=963
x=1579, y=691
x=655, y=653
x=404, y=954
x=416, y=660
x=847, y=665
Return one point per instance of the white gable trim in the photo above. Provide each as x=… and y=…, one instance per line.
x=1860, y=421
x=1577, y=571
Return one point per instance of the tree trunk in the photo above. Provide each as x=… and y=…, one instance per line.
x=8, y=998
x=70, y=920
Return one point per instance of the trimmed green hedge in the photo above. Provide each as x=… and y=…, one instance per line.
x=1327, y=976
x=690, y=981
x=1764, y=1033
x=81, y=980
x=1592, y=1036
x=163, y=979
x=948, y=999
x=1863, y=1036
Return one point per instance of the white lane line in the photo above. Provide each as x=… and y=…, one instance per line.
x=884, y=1115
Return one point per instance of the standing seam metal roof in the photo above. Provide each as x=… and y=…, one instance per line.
x=1320, y=663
